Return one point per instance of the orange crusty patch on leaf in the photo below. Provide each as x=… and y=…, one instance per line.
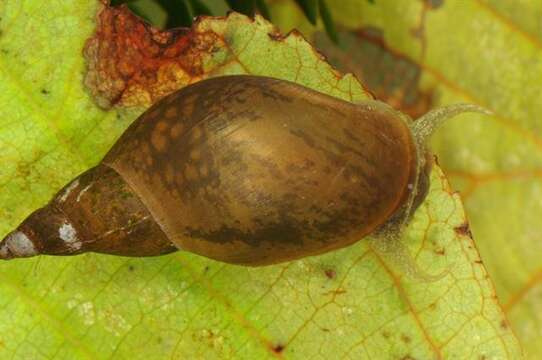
x=131, y=63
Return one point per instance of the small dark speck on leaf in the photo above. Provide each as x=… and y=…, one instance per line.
x=131, y=268
x=504, y=324
x=405, y=338
x=45, y=91
x=463, y=230
x=278, y=348
x=274, y=36
x=206, y=269
x=330, y=273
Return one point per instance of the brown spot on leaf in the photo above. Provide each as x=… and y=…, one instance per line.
x=330, y=273
x=277, y=36
x=389, y=76
x=463, y=230
x=504, y=324
x=405, y=338
x=278, y=348
x=131, y=63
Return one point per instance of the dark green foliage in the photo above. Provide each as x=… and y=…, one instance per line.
x=328, y=21
x=179, y=13
x=246, y=7
x=120, y=2
x=310, y=8
x=262, y=7
x=200, y=8
x=182, y=12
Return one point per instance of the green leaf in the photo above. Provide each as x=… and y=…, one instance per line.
x=327, y=20
x=200, y=8
x=263, y=9
x=310, y=8
x=348, y=303
x=243, y=6
x=120, y=2
x=487, y=52
x=179, y=13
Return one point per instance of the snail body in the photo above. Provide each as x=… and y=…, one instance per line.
x=242, y=169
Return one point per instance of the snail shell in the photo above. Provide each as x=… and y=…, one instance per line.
x=242, y=169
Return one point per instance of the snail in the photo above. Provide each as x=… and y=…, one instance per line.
x=246, y=170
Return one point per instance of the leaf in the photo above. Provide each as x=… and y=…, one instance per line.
x=263, y=9
x=487, y=52
x=242, y=6
x=310, y=8
x=347, y=303
x=391, y=77
x=151, y=11
x=200, y=8
x=327, y=20
x=179, y=12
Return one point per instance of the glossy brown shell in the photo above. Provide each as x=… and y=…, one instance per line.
x=254, y=170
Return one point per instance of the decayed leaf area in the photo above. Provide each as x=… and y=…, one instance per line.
x=346, y=304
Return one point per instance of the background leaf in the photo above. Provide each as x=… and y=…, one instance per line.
x=348, y=303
